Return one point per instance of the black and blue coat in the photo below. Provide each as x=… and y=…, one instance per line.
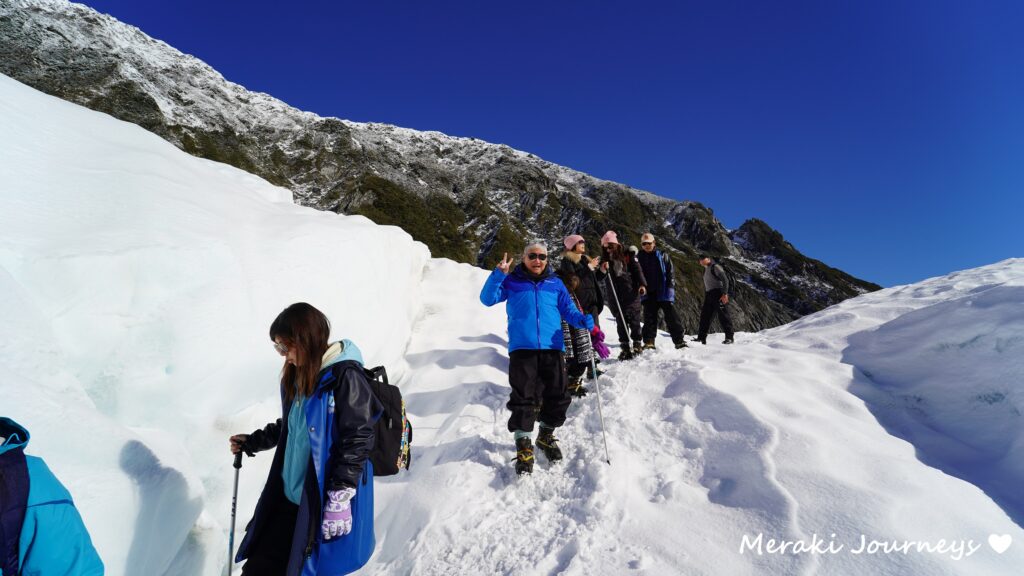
x=657, y=269
x=536, y=306
x=340, y=416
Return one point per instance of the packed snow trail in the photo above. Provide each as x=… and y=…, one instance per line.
x=569, y=517
x=708, y=444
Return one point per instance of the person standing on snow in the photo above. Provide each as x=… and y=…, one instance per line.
x=41, y=532
x=536, y=303
x=588, y=294
x=628, y=285
x=315, y=515
x=716, y=300
x=575, y=261
x=661, y=293
x=580, y=347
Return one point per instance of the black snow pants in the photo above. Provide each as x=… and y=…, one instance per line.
x=675, y=327
x=632, y=321
x=539, y=389
x=269, y=553
x=713, y=307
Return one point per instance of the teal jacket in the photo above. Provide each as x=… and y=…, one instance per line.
x=53, y=538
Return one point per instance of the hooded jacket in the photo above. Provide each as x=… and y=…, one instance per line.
x=589, y=291
x=627, y=277
x=657, y=269
x=340, y=416
x=52, y=538
x=535, y=306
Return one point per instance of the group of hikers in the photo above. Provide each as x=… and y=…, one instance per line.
x=315, y=513
x=554, y=330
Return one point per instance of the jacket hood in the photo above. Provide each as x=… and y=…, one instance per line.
x=15, y=435
x=341, y=351
x=573, y=257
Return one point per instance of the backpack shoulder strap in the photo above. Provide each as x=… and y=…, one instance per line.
x=377, y=373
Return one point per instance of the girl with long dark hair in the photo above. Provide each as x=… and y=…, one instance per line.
x=315, y=515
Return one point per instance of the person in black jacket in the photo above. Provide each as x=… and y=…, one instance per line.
x=628, y=285
x=716, y=301
x=576, y=262
x=315, y=515
x=661, y=293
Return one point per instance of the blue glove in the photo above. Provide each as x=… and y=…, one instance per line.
x=588, y=321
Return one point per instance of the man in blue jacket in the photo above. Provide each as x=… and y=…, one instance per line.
x=41, y=532
x=661, y=293
x=536, y=303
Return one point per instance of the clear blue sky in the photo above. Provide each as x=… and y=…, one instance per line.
x=885, y=138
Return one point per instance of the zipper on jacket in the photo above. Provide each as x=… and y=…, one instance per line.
x=536, y=300
x=311, y=536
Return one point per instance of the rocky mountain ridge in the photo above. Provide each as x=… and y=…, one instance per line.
x=467, y=199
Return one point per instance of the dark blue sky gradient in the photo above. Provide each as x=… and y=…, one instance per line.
x=884, y=138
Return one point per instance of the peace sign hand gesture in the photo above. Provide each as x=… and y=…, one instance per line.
x=505, y=263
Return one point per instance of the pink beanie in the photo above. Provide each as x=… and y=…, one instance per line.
x=572, y=240
x=609, y=238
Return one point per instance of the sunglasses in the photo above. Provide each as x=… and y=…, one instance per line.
x=647, y=243
x=535, y=256
x=281, y=348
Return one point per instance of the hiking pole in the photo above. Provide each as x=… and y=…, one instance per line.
x=234, y=508
x=597, y=386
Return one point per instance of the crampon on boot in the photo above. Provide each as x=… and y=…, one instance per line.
x=524, y=456
x=547, y=442
x=577, y=389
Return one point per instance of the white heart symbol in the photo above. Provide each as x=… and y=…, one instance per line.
x=999, y=543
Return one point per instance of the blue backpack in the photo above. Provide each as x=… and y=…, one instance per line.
x=13, y=502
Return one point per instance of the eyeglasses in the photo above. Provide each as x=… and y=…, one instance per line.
x=535, y=256
x=647, y=243
x=281, y=348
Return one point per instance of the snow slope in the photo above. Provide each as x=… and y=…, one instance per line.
x=137, y=284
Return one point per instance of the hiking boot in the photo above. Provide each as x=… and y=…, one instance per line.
x=626, y=353
x=699, y=339
x=547, y=442
x=524, y=456
x=577, y=389
x=638, y=348
x=728, y=340
x=681, y=344
x=649, y=345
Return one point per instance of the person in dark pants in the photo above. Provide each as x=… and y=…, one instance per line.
x=628, y=285
x=589, y=293
x=576, y=262
x=661, y=294
x=716, y=301
x=582, y=349
x=536, y=302
x=315, y=514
